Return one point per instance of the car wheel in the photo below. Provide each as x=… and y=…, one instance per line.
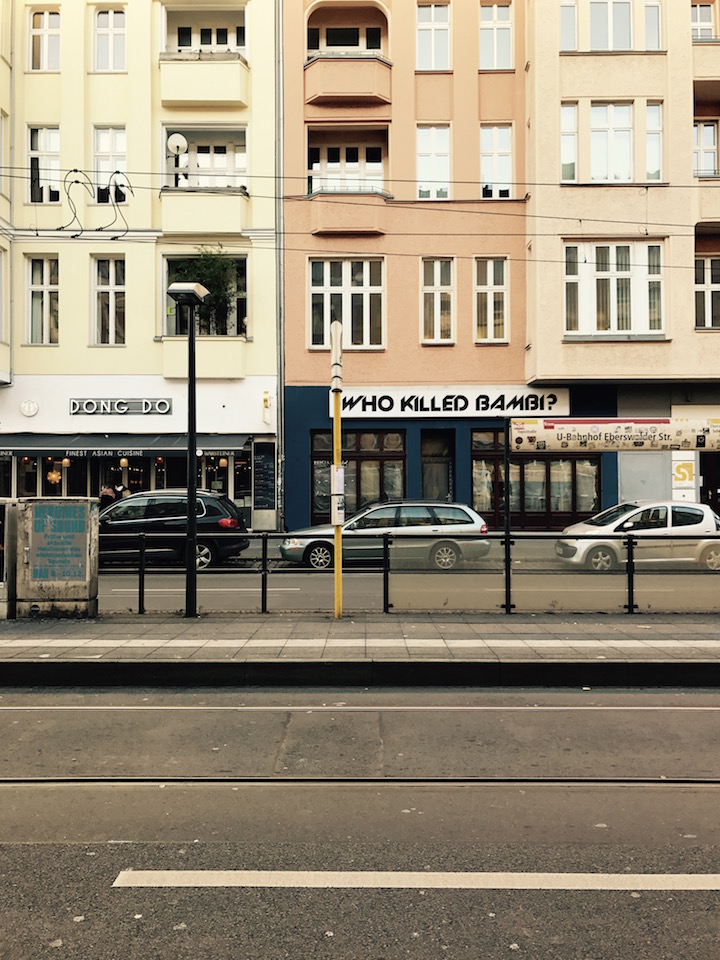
x=601, y=559
x=319, y=556
x=445, y=556
x=711, y=557
x=204, y=556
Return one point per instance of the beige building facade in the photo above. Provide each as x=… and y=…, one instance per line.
x=526, y=192
x=138, y=148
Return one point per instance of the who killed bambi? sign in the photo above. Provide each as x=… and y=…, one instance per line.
x=450, y=402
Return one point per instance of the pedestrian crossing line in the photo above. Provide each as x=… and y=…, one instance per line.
x=409, y=880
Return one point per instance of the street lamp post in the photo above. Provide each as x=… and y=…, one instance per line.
x=190, y=295
x=337, y=476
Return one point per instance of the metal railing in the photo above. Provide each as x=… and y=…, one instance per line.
x=504, y=580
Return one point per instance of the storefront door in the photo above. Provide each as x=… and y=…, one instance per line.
x=437, y=456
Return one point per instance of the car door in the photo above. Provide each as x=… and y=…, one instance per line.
x=412, y=520
x=362, y=539
x=167, y=524
x=685, y=522
x=651, y=526
x=120, y=526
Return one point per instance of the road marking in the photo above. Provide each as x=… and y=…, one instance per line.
x=400, y=880
x=380, y=708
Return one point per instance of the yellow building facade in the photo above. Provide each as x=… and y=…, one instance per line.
x=138, y=148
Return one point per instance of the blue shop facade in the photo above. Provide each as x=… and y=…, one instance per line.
x=446, y=444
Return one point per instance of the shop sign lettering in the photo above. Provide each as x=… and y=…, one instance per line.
x=662, y=434
x=450, y=402
x=120, y=406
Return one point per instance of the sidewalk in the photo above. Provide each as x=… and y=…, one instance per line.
x=364, y=650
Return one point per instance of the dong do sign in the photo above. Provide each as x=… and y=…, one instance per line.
x=451, y=402
x=602, y=435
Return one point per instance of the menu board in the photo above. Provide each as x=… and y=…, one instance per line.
x=264, y=476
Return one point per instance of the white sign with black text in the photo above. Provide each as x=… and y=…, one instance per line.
x=452, y=402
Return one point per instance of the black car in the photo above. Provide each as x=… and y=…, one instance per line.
x=162, y=516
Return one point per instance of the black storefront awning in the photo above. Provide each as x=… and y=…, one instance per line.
x=116, y=444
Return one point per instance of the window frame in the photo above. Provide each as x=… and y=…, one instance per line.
x=236, y=321
x=331, y=295
x=112, y=33
x=568, y=11
x=697, y=25
x=587, y=269
x=653, y=5
x=435, y=159
x=42, y=164
x=496, y=28
x=612, y=131
x=433, y=293
x=709, y=291
x=109, y=161
x=493, y=187
x=568, y=141
x=654, y=133
x=435, y=28
x=49, y=296
x=326, y=176
x=489, y=291
x=189, y=174
x=699, y=149
x=46, y=51
x=610, y=24
x=116, y=303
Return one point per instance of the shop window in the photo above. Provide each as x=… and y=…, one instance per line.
x=374, y=464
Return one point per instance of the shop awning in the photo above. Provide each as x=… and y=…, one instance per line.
x=116, y=444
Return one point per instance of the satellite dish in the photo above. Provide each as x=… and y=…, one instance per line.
x=177, y=144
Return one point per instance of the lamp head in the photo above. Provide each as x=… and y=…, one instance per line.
x=184, y=291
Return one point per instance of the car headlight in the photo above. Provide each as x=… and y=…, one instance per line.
x=291, y=542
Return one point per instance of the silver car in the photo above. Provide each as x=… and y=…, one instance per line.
x=663, y=529
x=453, y=532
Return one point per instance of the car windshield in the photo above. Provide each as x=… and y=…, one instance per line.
x=612, y=514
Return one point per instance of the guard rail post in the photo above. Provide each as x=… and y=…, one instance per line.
x=630, y=542
x=141, y=574
x=386, y=573
x=264, y=574
x=508, y=542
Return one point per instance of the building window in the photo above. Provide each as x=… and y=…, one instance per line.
x=568, y=25
x=653, y=136
x=43, y=309
x=707, y=293
x=611, y=142
x=109, y=299
x=568, y=142
x=44, y=154
x=433, y=163
x=211, y=32
x=212, y=160
x=496, y=161
x=437, y=301
x=110, y=40
x=705, y=154
x=495, y=36
x=350, y=291
x=345, y=169
x=433, y=36
x=224, y=313
x=613, y=288
x=491, y=300
x=45, y=40
x=610, y=25
x=339, y=40
x=702, y=21
x=374, y=469
x=653, y=40
x=110, y=158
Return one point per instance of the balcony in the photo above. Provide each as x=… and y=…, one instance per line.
x=335, y=79
x=333, y=214
x=204, y=211
x=216, y=358
x=197, y=78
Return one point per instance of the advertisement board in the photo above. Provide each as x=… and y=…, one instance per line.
x=600, y=435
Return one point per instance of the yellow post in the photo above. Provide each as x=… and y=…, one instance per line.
x=337, y=479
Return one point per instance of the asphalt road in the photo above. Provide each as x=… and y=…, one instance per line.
x=356, y=824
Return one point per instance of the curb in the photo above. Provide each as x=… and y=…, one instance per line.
x=360, y=673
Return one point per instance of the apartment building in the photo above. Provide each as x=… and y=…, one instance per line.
x=623, y=260
x=513, y=208
x=138, y=148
